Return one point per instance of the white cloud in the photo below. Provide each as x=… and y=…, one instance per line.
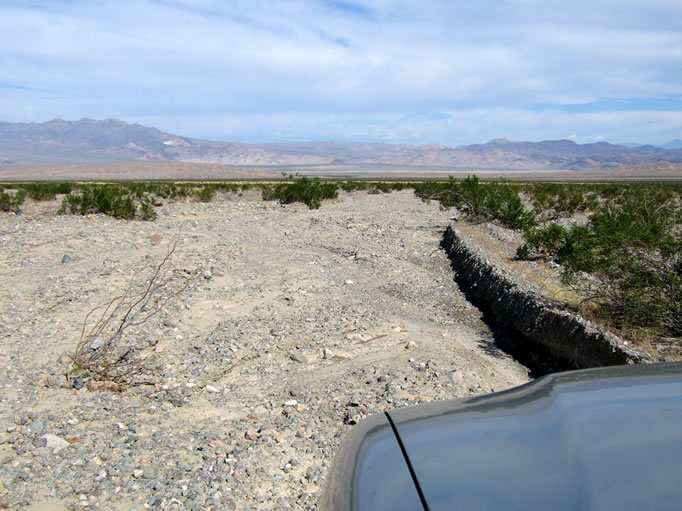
x=314, y=62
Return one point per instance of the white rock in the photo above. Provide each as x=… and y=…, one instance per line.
x=211, y=388
x=54, y=442
x=455, y=377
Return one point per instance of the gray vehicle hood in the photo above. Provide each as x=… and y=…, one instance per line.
x=598, y=439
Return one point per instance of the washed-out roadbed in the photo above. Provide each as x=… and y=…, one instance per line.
x=298, y=325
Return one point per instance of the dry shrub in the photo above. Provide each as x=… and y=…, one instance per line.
x=110, y=353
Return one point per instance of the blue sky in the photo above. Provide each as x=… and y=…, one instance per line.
x=436, y=71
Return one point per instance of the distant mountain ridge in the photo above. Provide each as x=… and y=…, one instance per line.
x=112, y=140
x=84, y=141
x=673, y=144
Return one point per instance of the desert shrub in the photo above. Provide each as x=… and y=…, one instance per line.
x=555, y=200
x=504, y=204
x=136, y=188
x=166, y=190
x=610, y=191
x=45, y=190
x=206, y=193
x=110, y=351
x=399, y=186
x=352, y=186
x=181, y=191
x=34, y=191
x=432, y=190
x=626, y=260
x=228, y=187
x=555, y=240
x=12, y=201
x=6, y=201
x=146, y=210
x=170, y=190
x=308, y=191
x=113, y=200
x=375, y=186
x=381, y=187
x=497, y=201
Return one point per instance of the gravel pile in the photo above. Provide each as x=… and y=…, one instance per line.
x=299, y=324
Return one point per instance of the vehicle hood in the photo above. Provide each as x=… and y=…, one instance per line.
x=595, y=439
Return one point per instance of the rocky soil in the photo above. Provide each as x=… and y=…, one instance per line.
x=298, y=325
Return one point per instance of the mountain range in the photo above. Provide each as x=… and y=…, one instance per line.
x=111, y=140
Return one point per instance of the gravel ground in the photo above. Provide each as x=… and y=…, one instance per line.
x=299, y=324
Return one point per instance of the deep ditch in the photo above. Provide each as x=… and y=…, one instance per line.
x=541, y=334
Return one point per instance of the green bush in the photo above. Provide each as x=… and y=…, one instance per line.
x=206, y=193
x=146, y=210
x=632, y=247
x=496, y=201
x=12, y=201
x=505, y=205
x=44, y=190
x=558, y=199
x=6, y=202
x=308, y=191
x=381, y=187
x=376, y=186
x=114, y=200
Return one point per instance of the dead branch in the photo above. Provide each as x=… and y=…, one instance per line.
x=105, y=351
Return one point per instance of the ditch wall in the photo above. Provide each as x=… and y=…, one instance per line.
x=564, y=334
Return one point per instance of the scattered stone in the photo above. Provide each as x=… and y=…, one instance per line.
x=455, y=377
x=150, y=472
x=251, y=434
x=302, y=358
x=66, y=258
x=56, y=381
x=54, y=442
x=271, y=433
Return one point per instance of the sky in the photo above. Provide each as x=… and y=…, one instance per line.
x=450, y=72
